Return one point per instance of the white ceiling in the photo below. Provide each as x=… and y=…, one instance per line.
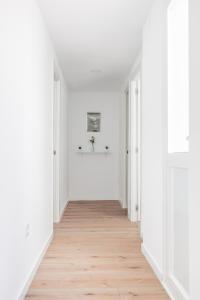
x=98, y=35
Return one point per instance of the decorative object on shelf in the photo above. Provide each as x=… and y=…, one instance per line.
x=92, y=141
x=93, y=122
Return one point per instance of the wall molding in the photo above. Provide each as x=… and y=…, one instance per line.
x=122, y=204
x=174, y=289
x=63, y=210
x=171, y=285
x=156, y=270
x=152, y=262
x=36, y=265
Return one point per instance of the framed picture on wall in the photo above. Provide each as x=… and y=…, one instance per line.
x=93, y=122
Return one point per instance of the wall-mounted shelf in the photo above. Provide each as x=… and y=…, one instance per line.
x=93, y=152
x=88, y=150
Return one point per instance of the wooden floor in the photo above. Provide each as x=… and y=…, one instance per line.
x=95, y=255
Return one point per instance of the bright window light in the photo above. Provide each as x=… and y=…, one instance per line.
x=178, y=77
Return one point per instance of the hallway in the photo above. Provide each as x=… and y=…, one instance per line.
x=95, y=254
x=100, y=131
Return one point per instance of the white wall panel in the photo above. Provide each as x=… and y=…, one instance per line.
x=178, y=224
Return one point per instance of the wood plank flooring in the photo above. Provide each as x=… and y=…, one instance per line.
x=95, y=255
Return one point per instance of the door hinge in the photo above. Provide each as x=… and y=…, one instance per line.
x=136, y=91
x=136, y=150
x=136, y=207
x=54, y=152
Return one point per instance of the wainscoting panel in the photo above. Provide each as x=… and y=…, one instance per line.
x=178, y=225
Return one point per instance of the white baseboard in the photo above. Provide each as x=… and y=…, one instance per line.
x=175, y=290
x=122, y=203
x=35, y=268
x=61, y=213
x=64, y=208
x=152, y=263
x=171, y=285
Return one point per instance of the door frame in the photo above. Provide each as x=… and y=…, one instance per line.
x=171, y=162
x=56, y=148
x=127, y=169
x=133, y=158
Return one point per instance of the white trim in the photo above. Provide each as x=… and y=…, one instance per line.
x=175, y=161
x=35, y=267
x=171, y=285
x=178, y=160
x=152, y=262
x=156, y=270
x=122, y=154
x=133, y=155
x=122, y=204
x=174, y=289
x=133, y=159
x=139, y=154
x=133, y=75
x=56, y=147
x=63, y=210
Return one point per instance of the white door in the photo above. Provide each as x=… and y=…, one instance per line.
x=56, y=141
x=133, y=153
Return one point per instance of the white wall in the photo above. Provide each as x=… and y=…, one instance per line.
x=152, y=130
x=94, y=176
x=194, y=194
x=26, y=221
x=154, y=136
x=162, y=234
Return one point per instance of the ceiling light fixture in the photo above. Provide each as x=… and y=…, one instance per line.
x=96, y=71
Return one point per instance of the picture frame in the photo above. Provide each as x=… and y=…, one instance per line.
x=93, y=122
